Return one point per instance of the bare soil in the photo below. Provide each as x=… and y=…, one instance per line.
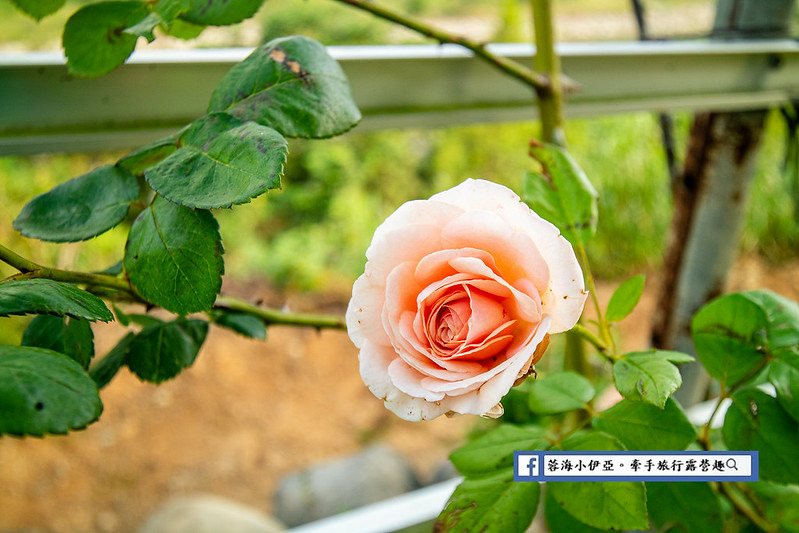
x=247, y=413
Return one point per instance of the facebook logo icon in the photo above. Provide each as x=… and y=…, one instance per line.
x=526, y=466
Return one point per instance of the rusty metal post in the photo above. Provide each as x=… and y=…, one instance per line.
x=710, y=196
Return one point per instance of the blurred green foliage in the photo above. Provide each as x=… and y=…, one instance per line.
x=313, y=234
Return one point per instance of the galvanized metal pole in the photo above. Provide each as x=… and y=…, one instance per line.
x=710, y=196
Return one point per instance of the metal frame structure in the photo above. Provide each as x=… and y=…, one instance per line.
x=44, y=109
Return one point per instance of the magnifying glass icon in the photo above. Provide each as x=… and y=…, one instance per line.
x=732, y=464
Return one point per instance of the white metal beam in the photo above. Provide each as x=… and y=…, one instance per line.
x=44, y=109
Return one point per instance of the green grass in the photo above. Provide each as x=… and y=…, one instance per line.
x=313, y=234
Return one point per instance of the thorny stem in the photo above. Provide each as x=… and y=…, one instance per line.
x=535, y=80
x=100, y=283
x=274, y=317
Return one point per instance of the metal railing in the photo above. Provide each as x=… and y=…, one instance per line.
x=44, y=109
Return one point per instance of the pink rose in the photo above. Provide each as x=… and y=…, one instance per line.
x=458, y=297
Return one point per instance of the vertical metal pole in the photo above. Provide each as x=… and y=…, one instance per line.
x=710, y=196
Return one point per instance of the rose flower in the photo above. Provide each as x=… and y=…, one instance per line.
x=458, y=297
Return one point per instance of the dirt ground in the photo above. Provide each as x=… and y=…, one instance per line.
x=247, y=413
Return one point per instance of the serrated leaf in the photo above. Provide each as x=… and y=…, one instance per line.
x=94, y=39
x=492, y=504
x=616, y=505
x=72, y=337
x=161, y=351
x=44, y=296
x=221, y=161
x=559, y=520
x=730, y=336
x=38, y=9
x=290, y=84
x=138, y=160
x=756, y=421
x=221, y=12
x=80, y=208
x=641, y=426
x=494, y=450
x=689, y=507
x=624, y=299
x=785, y=379
x=173, y=257
x=243, y=324
x=648, y=377
x=562, y=194
x=558, y=393
x=168, y=10
x=144, y=27
x=42, y=391
x=104, y=370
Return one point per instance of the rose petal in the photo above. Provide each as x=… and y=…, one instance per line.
x=374, y=361
x=408, y=380
x=514, y=253
x=566, y=294
x=364, y=311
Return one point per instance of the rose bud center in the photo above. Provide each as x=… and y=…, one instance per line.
x=463, y=322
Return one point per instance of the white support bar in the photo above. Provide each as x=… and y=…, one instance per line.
x=44, y=109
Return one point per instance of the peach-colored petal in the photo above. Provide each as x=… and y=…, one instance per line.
x=565, y=296
x=457, y=298
x=374, y=361
x=526, y=307
x=514, y=252
x=408, y=380
x=487, y=315
x=364, y=311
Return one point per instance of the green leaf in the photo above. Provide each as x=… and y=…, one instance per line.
x=494, y=450
x=144, y=320
x=558, y=393
x=756, y=421
x=38, y=9
x=183, y=29
x=221, y=12
x=778, y=503
x=783, y=324
x=173, y=257
x=80, y=208
x=42, y=391
x=601, y=504
x=649, y=377
x=491, y=504
x=72, y=337
x=44, y=296
x=104, y=370
x=689, y=507
x=161, y=351
x=515, y=404
x=292, y=85
x=94, y=39
x=222, y=161
x=559, y=520
x=243, y=324
x=730, y=336
x=641, y=426
x=138, y=160
x=785, y=379
x=144, y=27
x=624, y=299
x=562, y=194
